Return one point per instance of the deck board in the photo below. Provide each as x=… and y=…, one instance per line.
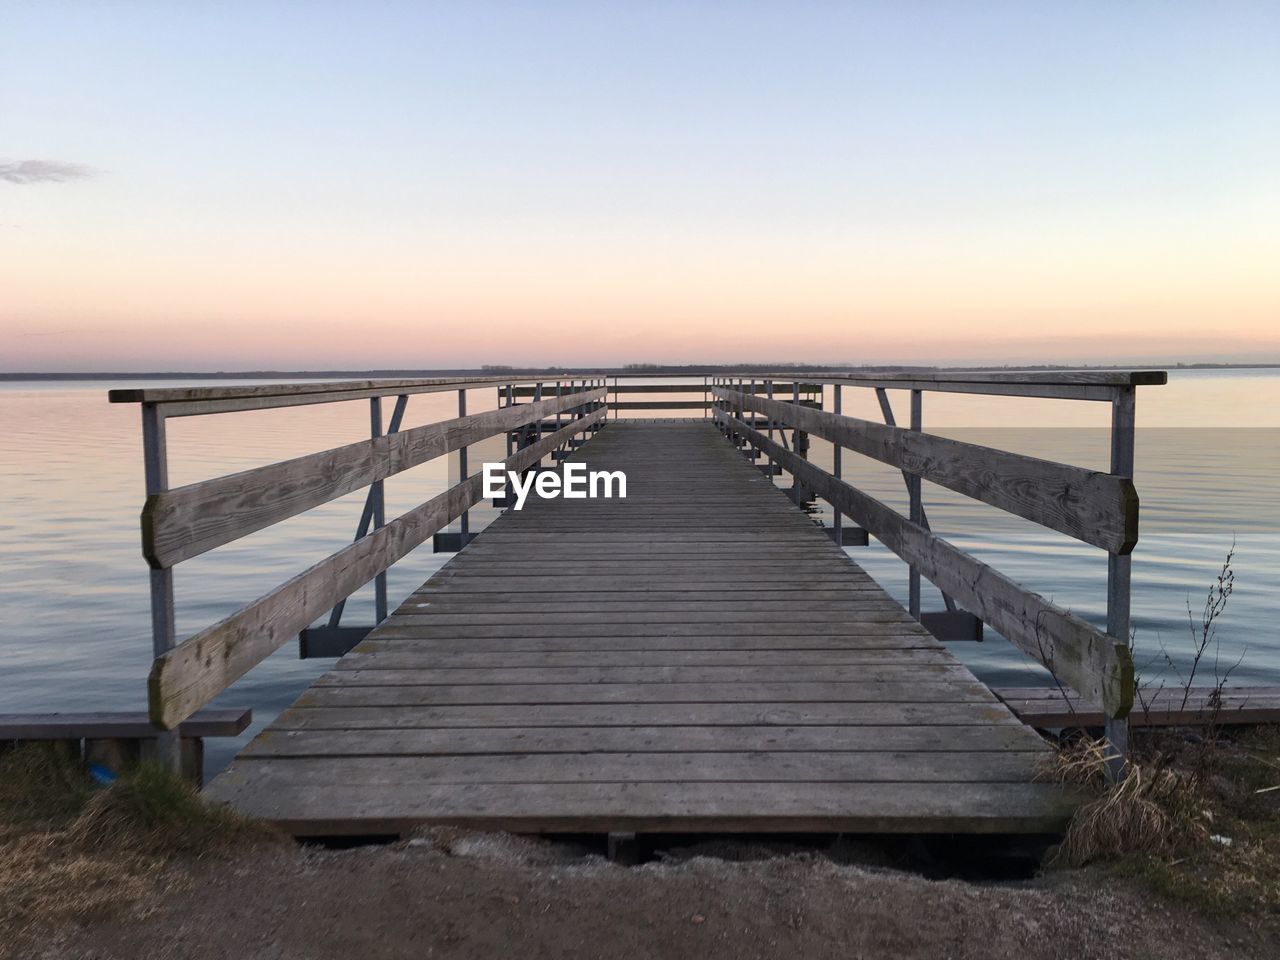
x=696, y=657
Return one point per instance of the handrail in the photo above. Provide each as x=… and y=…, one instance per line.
x=197, y=401
x=198, y=669
x=1095, y=507
x=1066, y=384
x=1098, y=508
x=1086, y=659
x=186, y=521
x=181, y=523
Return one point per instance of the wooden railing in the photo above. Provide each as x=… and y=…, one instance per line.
x=542, y=417
x=1097, y=508
x=184, y=522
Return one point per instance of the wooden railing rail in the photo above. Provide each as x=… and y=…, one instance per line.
x=181, y=523
x=1095, y=507
x=1098, y=508
x=198, y=669
x=198, y=401
x=187, y=521
x=1083, y=657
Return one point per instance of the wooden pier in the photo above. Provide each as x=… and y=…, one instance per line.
x=698, y=656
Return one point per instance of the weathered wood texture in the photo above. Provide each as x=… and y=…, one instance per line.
x=201, y=667
x=1093, y=663
x=184, y=522
x=210, y=722
x=1089, y=505
x=697, y=657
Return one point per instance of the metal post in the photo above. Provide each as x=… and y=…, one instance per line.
x=537, y=430
x=795, y=431
x=511, y=435
x=768, y=392
x=838, y=520
x=1120, y=568
x=378, y=502
x=367, y=515
x=464, y=521
x=155, y=463
x=917, y=505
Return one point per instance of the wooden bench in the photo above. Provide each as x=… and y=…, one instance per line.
x=116, y=740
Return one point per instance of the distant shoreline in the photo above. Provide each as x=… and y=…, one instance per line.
x=689, y=370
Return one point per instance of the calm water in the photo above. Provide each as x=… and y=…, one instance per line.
x=73, y=586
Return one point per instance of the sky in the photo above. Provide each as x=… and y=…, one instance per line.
x=289, y=185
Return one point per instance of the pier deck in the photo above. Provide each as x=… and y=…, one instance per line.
x=696, y=657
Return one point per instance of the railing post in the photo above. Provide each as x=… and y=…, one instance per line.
x=155, y=465
x=799, y=446
x=378, y=502
x=1119, y=568
x=917, y=505
x=838, y=520
x=510, y=433
x=536, y=433
x=464, y=521
x=768, y=392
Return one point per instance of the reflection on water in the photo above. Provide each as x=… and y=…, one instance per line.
x=73, y=586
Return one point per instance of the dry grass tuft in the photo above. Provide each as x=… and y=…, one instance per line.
x=70, y=852
x=40, y=784
x=1208, y=836
x=153, y=811
x=1147, y=812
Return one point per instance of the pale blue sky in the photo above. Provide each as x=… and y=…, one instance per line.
x=271, y=164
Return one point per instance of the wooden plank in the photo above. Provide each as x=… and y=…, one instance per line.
x=261, y=789
x=886, y=691
x=403, y=657
x=184, y=522
x=1089, y=505
x=306, y=715
x=689, y=635
x=209, y=722
x=389, y=386
x=355, y=675
x=313, y=741
x=455, y=585
x=668, y=767
x=878, y=636
x=659, y=404
x=201, y=667
x=1085, y=658
x=693, y=598
x=657, y=614
x=564, y=608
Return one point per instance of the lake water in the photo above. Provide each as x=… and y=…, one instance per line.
x=74, y=628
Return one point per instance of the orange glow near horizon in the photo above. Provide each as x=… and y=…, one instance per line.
x=449, y=185
x=174, y=309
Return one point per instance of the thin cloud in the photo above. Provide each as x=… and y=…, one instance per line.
x=42, y=171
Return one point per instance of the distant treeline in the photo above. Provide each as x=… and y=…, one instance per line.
x=691, y=369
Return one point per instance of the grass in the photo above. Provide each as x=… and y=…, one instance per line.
x=72, y=851
x=1198, y=828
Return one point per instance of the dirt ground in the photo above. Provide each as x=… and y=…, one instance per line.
x=463, y=895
